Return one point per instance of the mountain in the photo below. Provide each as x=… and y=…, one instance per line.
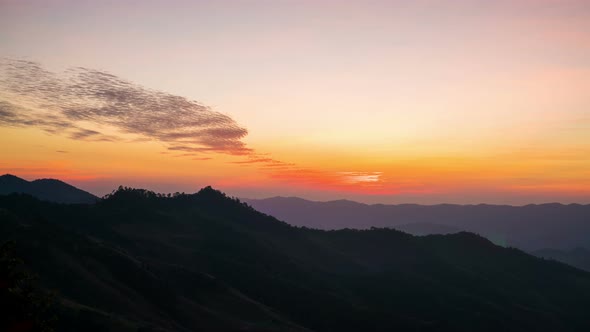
x=46, y=189
x=530, y=227
x=421, y=229
x=140, y=261
x=578, y=257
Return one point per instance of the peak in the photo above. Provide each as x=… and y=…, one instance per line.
x=13, y=182
x=128, y=193
x=209, y=189
x=207, y=198
x=344, y=202
x=469, y=237
x=211, y=193
x=11, y=177
x=48, y=181
x=288, y=198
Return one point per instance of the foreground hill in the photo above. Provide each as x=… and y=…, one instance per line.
x=45, y=189
x=531, y=227
x=137, y=261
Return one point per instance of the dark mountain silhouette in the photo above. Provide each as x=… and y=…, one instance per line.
x=45, y=189
x=139, y=261
x=530, y=227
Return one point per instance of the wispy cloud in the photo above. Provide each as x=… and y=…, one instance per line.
x=80, y=101
x=371, y=183
x=360, y=177
x=264, y=162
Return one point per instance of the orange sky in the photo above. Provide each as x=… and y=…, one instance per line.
x=428, y=102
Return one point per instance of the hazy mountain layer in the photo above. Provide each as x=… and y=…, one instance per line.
x=530, y=227
x=578, y=257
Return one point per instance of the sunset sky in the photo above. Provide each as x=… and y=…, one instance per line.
x=375, y=101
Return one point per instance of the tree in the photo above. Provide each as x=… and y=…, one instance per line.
x=23, y=306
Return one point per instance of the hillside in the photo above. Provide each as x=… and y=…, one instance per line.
x=578, y=257
x=45, y=189
x=139, y=261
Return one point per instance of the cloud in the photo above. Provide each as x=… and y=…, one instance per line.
x=89, y=105
x=359, y=182
x=360, y=177
x=12, y=115
x=254, y=161
x=264, y=162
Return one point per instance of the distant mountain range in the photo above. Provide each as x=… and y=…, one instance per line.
x=530, y=227
x=548, y=230
x=140, y=261
x=45, y=189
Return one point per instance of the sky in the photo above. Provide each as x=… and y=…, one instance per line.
x=375, y=101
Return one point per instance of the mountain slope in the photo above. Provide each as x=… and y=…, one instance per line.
x=208, y=262
x=578, y=257
x=421, y=229
x=530, y=227
x=46, y=189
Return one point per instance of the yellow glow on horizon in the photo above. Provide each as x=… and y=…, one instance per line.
x=388, y=99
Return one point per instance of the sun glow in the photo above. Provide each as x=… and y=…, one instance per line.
x=367, y=102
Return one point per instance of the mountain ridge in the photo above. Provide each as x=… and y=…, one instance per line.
x=529, y=227
x=161, y=263
x=272, y=198
x=46, y=189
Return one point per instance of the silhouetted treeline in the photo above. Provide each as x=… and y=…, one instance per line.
x=141, y=261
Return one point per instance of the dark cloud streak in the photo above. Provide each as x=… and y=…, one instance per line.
x=67, y=103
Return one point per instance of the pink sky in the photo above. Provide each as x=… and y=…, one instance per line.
x=378, y=101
